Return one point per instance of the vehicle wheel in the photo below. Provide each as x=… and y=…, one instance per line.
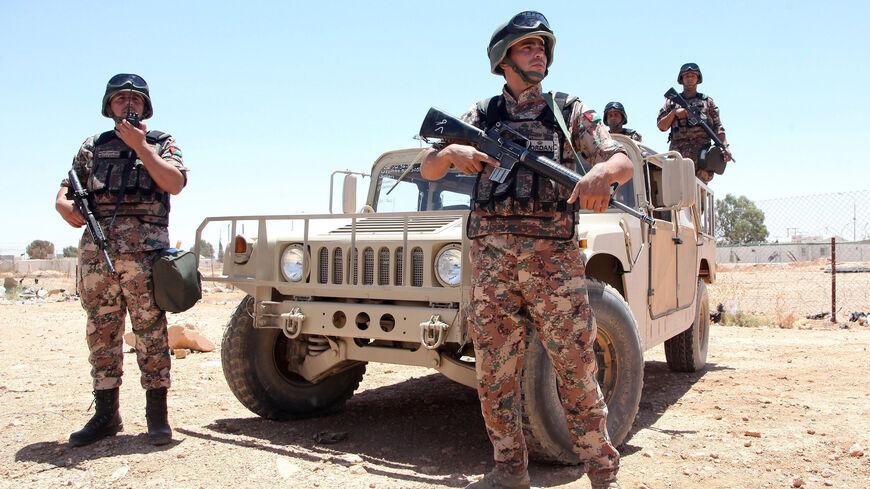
x=255, y=367
x=687, y=352
x=620, y=374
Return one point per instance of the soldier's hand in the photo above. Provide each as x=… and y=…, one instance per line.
x=467, y=159
x=70, y=214
x=681, y=113
x=132, y=136
x=593, y=190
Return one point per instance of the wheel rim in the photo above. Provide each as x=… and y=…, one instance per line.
x=608, y=363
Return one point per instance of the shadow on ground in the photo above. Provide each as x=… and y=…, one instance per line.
x=425, y=430
x=662, y=388
x=62, y=455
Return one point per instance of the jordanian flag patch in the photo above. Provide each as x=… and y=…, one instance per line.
x=592, y=116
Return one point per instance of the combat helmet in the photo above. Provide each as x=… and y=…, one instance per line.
x=522, y=26
x=687, y=68
x=127, y=81
x=616, y=106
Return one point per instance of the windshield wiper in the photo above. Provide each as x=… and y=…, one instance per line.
x=408, y=170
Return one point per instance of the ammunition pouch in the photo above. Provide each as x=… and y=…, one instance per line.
x=121, y=185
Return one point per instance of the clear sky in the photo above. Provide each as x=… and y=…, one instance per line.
x=266, y=99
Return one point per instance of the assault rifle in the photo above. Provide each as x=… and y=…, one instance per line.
x=80, y=197
x=500, y=142
x=695, y=120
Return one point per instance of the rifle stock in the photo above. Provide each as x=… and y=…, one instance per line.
x=695, y=119
x=80, y=198
x=500, y=143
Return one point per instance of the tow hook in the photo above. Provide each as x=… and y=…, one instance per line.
x=292, y=325
x=433, y=332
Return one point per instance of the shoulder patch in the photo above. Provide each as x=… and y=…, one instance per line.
x=591, y=116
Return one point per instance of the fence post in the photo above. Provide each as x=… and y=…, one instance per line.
x=833, y=280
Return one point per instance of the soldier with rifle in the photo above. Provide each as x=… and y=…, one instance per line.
x=119, y=187
x=693, y=120
x=527, y=268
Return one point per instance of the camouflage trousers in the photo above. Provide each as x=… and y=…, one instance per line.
x=107, y=299
x=691, y=148
x=519, y=282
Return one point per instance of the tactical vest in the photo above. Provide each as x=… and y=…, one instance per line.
x=627, y=132
x=526, y=204
x=115, y=166
x=680, y=128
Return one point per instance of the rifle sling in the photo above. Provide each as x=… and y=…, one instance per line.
x=560, y=119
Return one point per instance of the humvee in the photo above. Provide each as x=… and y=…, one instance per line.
x=390, y=283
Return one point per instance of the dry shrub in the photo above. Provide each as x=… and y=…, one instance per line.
x=784, y=319
x=744, y=320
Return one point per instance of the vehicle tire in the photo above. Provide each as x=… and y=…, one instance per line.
x=619, y=353
x=254, y=366
x=687, y=351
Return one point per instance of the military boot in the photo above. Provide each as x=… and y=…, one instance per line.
x=501, y=479
x=105, y=422
x=159, y=432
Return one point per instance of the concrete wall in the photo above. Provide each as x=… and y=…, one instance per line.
x=19, y=266
x=68, y=265
x=792, y=252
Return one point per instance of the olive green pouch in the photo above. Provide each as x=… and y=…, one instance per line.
x=177, y=282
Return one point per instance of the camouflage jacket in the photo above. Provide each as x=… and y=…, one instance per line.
x=128, y=234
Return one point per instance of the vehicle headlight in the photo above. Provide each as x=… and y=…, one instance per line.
x=448, y=266
x=292, y=263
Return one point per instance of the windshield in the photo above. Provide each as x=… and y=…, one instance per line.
x=415, y=193
x=453, y=192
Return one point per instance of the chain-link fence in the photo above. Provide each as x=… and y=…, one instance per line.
x=790, y=276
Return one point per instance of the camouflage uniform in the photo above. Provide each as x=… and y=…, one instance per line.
x=521, y=277
x=691, y=140
x=133, y=245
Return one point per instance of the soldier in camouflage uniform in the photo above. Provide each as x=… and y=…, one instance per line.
x=616, y=119
x=691, y=141
x=527, y=269
x=129, y=173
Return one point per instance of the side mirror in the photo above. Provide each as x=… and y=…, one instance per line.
x=678, y=183
x=348, y=198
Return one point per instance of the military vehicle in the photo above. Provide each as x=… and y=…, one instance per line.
x=389, y=282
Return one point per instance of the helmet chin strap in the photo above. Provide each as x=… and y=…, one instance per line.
x=530, y=76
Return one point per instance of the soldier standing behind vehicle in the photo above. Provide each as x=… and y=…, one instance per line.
x=527, y=268
x=129, y=173
x=692, y=141
x=616, y=119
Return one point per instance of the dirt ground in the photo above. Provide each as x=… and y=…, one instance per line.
x=774, y=408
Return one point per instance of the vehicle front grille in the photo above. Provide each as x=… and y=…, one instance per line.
x=384, y=267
